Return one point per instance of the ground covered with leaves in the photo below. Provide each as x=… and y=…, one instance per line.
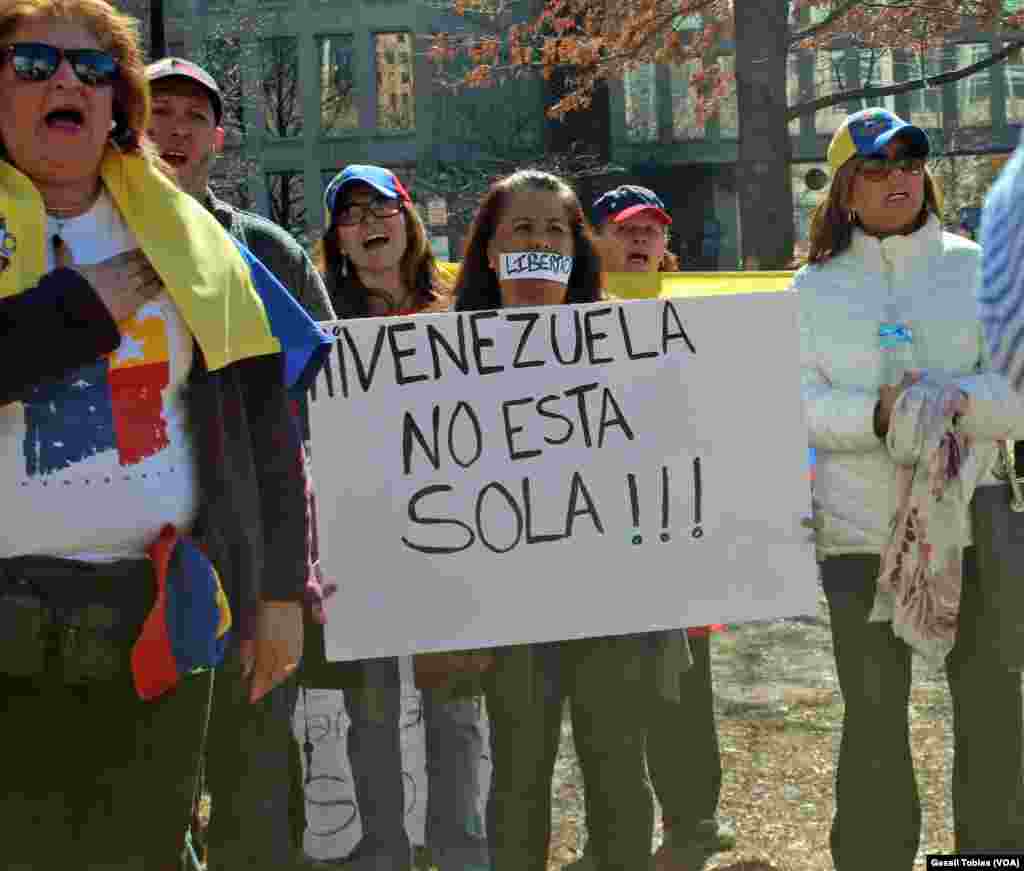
x=779, y=718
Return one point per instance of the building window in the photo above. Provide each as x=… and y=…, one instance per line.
x=974, y=94
x=339, y=111
x=794, y=93
x=222, y=58
x=282, y=97
x=876, y=71
x=926, y=103
x=395, y=95
x=728, y=110
x=1014, y=92
x=639, y=86
x=686, y=125
x=286, y=193
x=829, y=78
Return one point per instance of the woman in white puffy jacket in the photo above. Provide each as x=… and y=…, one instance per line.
x=887, y=293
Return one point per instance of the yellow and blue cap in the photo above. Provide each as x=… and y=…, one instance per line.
x=382, y=180
x=867, y=132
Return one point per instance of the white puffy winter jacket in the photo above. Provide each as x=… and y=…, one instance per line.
x=928, y=279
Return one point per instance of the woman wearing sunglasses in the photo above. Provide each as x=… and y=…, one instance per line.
x=376, y=260
x=887, y=309
x=153, y=469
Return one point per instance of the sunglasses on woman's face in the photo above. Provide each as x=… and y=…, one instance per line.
x=350, y=214
x=880, y=168
x=37, y=62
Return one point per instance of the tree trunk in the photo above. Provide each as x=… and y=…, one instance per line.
x=763, y=173
x=157, y=34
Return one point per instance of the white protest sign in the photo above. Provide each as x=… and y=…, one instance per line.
x=490, y=478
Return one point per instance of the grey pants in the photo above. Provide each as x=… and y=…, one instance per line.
x=454, y=749
x=683, y=755
x=878, y=810
x=608, y=706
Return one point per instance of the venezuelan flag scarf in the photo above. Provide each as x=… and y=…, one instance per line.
x=235, y=309
x=221, y=295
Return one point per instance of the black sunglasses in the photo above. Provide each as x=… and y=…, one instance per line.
x=880, y=168
x=37, y=62
x=350, y=214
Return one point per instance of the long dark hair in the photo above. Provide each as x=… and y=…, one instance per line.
x=351, y=298
x=477, y=285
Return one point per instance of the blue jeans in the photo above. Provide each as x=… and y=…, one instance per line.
x=454, y=748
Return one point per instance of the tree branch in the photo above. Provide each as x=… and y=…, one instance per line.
x=824, y=24
x=812, y=106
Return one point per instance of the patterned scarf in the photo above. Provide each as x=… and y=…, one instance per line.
x=937, y=469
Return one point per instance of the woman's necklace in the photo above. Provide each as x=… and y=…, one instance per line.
x=61, y=251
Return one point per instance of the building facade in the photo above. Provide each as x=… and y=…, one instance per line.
x=318, y=84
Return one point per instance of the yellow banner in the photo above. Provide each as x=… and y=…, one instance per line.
x=641, y=285
x=645, y=285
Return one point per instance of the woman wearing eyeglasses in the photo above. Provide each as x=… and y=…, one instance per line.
x=152, y=467
x=376, y=260
x=887, y=308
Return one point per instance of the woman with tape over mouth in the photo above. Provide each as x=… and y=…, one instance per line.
x=376, y=260
x=608, y=680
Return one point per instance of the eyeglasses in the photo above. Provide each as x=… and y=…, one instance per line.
x=355, y=213
x=880, y=168
x=37, y=62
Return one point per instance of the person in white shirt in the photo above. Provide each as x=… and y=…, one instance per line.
x=887, y=301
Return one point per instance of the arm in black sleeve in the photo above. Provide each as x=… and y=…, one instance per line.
x=50, y=330
x=281, y=467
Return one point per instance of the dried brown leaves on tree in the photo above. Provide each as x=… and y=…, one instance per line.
x=604, y=39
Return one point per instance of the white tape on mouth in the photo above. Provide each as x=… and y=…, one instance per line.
x=538, y=265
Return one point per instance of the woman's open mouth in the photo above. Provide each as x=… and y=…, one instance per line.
x=66, y=120
x=176, y=159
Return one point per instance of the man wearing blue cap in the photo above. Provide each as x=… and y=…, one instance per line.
x=257, y=819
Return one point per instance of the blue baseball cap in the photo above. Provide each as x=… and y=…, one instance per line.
x=866, y=133
x=382, y=180
x=625, y=201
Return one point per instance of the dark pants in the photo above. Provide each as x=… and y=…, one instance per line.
x=94, y=778
x=607, y=707
x=683, y=755
x=248, y=774
x=878, y=811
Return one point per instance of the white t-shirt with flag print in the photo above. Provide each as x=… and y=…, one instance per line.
x=97, y=462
